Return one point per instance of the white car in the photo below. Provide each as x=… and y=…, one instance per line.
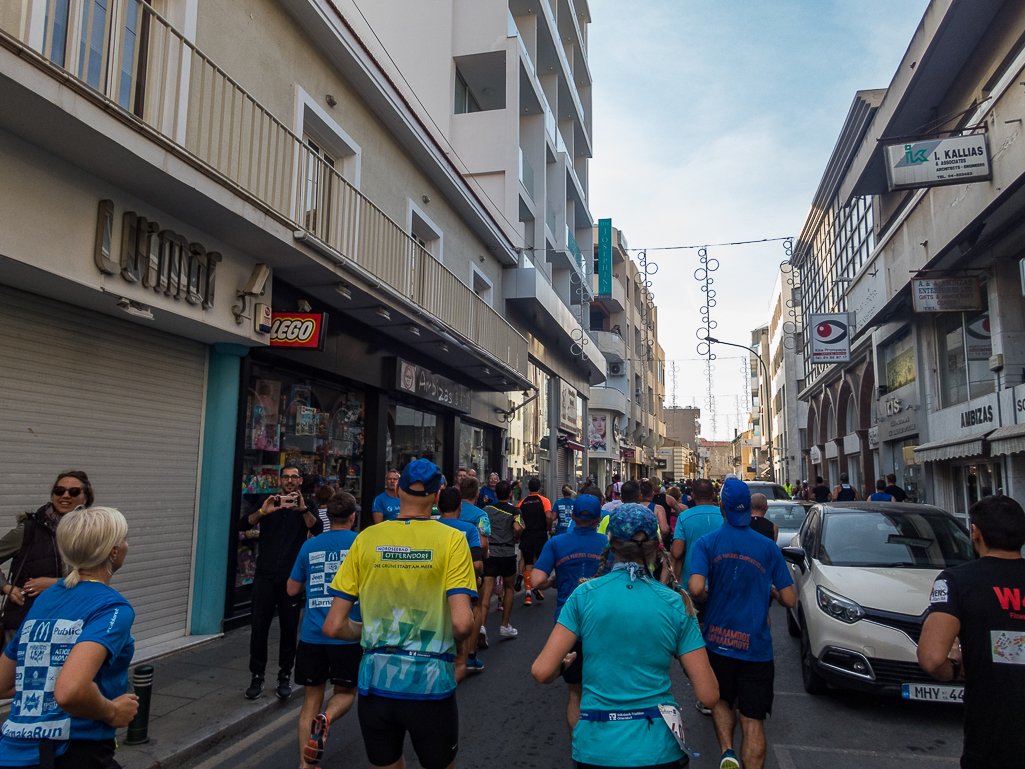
x=863, y=572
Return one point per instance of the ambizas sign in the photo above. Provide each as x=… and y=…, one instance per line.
x=830, y=338
x=935, y=162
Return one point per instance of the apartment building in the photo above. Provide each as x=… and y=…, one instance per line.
x=229, y=239
x=932, y=389
x=788, y=415
x=759, y=435
x=627, y=418
x=683, y=425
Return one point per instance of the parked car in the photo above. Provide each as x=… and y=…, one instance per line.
x=768, y=488
x=788, y=517
x=863, y=572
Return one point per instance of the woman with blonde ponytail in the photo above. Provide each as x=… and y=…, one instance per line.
x=627, y=704
x=78, y=633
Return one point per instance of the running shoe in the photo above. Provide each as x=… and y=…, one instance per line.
x=255, y=687
x=519, y=582
x=729, y=760
x=538, y=594
x=482, y=639
x=508, y=631
x=501, y=606
x=314, y=750
x=527, y=601
x=476, y=666
x=284, y=688
x=702, y=709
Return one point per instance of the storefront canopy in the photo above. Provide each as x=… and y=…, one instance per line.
x=1007, y=440
x=961, y=446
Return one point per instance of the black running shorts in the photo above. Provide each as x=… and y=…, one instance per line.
x=433, y=727
x=574, y=674
x=745, y=685
x=531, y=545
x=685, y=761
x=500, y=566
x=315, y=664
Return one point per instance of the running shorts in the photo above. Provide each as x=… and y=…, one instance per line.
x=81, y=754
x=315, y=664
x=500, y=566
x=685, y=761
x=574, y=674
x=433, y=727
x=744, y=684
x=531, y=545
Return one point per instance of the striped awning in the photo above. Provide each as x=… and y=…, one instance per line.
x=952, y=448
x=1007, y=440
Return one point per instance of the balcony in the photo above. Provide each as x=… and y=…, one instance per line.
x=526, y=175
x=611, y=345
x=147, y=75
x=607, y=399
x=614, y=302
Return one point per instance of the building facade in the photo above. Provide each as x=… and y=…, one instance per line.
x=931, y=392
x=788, y=415
x=683, y=425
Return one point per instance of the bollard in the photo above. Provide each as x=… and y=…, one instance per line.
x=142, y=682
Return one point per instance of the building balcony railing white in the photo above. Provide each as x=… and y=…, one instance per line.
x=611, y=345
x=157, y=80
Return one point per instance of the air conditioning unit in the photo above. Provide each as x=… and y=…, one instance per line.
x=615, y=369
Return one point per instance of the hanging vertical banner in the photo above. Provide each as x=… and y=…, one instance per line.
x=830, y=338
x=604, y=258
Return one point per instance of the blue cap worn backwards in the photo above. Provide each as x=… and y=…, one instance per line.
x=587, y=507
x=631, y=518
x=736, y=502
x=421, y=471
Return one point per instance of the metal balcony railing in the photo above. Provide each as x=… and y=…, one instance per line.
x=526, y=175
x=135, y=59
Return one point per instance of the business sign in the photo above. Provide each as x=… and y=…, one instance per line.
x=568, y=415
x=960, y=294
x=418, y=381
x=306, y=330
x=980, y=341
x=830, y=338
x=604, y=258
x=935, y=162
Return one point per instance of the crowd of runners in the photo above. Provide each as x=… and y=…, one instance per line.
x=396, y=614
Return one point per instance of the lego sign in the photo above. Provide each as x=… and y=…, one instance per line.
x=305, y=330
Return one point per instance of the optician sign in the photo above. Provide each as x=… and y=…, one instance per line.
x=830, y=338
x=935, y=162
x=959, y=294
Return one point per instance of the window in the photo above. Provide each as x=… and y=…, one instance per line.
x=830, y=424
x=482, y=287
x=899, y=357
x=964, y=345
x=315, y=124
x=424, y=231
x=852, y=415
x=465, y=101
x=317, y=195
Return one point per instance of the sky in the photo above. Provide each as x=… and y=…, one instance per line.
x=713, y=123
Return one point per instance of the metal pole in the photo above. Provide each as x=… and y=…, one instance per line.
x=142, y=682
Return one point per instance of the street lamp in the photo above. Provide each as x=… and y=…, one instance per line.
x=768, y=420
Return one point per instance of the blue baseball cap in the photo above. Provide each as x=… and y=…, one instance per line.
x=736, y=502
x=587, y=507
x=628, y=519
x=420, y=471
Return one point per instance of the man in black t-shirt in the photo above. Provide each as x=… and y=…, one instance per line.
x=980, y=603
x=821, y=492
x=895, y=491
x=536, y=512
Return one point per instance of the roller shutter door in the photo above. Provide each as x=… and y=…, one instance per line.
x=82, y=390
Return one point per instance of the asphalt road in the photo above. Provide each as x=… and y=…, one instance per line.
x=506, y=719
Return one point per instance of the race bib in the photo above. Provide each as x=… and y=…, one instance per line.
x=671, y=715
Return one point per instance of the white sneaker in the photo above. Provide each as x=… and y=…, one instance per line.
x=508, y=631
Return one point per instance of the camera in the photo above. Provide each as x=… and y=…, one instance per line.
x=290, y=500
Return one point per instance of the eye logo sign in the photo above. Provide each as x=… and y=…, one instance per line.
x=830, y=338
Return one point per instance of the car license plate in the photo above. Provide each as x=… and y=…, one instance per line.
x=930, y=693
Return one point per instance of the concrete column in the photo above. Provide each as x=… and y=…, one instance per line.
x=375, y=455
x=213, y=527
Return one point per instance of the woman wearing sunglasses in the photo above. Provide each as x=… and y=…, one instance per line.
x=31, y=546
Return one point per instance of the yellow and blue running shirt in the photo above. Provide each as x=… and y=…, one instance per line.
x=403, y=572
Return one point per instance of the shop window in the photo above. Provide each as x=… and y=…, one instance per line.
x=964, y=346
x=473, y=450
x=412, y=434
x=899, y=358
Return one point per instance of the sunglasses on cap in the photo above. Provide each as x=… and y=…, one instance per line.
x=60, y=491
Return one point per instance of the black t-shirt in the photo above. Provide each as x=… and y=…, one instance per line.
x=895, y=491
x=986, y=597
x=535, y=521
x=763, y=526
x=821, y=493
x=282, y=534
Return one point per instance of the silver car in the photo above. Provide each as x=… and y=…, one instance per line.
x=788, y=517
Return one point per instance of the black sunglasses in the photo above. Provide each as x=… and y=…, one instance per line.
x=60, y=491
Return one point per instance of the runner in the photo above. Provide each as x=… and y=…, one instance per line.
x=616, y=499
x=415, y=582
x=881, y=494
x=895, y=491
x=736, y=570
x=506, y=527
x=469, y=488
x=536, y=512
x=759, y=523
x=844, y=492
x=977, y=603
x=318, y=657
x=564, y=511
x=820, y=493
x=386, y=504
x=648, y=500
x=570, y=558
x=449, y=505
x=627, y=675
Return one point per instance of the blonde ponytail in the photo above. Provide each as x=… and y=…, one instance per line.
x=85, y=537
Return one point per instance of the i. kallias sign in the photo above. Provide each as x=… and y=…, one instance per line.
x=934, y=162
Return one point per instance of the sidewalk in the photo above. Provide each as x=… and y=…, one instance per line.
x=198, y=701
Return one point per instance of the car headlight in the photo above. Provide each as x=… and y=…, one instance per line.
x=838, y=607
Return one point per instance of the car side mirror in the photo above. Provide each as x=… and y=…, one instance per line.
x=796, y=556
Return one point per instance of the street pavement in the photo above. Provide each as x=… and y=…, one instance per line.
x=506, y=719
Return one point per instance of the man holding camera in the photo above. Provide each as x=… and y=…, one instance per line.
x=285, y=519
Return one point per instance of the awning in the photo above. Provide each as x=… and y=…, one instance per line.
x=961, y=446
x=574, y=445
x=1007, y=440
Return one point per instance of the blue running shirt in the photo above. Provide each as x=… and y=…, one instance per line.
x=387, y=505
x=470, y=530
x=692, y=525
x=741, y=566
x=472, y=514
x=572, y=557
x=318, y=561
x=563, y=515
